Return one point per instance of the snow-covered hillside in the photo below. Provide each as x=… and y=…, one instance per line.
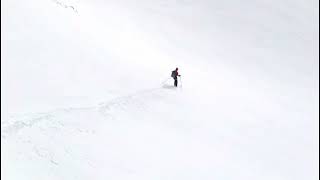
x=86, y=92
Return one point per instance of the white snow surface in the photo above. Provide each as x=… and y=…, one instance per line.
x=86, y=93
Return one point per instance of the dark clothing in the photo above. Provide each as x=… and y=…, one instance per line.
x=175, y=77
x=176, y=82
x=175, y=74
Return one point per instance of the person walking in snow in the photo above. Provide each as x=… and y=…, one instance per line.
x=175, y=75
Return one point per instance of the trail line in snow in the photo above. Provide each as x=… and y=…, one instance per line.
x=18, y=122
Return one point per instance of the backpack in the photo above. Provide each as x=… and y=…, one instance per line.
x=173, y=74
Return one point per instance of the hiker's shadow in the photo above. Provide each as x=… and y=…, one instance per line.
x=166, y=86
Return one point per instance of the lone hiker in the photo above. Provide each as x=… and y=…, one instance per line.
x=175, y=75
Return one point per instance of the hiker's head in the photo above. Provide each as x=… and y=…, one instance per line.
x=176, y=69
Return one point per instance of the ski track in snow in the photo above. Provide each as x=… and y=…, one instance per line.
x=19, y=122
x=64, y=5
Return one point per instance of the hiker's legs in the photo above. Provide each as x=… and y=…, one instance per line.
x=175, y=82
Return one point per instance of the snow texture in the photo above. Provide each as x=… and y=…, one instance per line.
x=87, y=94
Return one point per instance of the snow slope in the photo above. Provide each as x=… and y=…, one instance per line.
x=86, y=95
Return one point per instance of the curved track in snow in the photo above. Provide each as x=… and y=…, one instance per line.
x=138, y=100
